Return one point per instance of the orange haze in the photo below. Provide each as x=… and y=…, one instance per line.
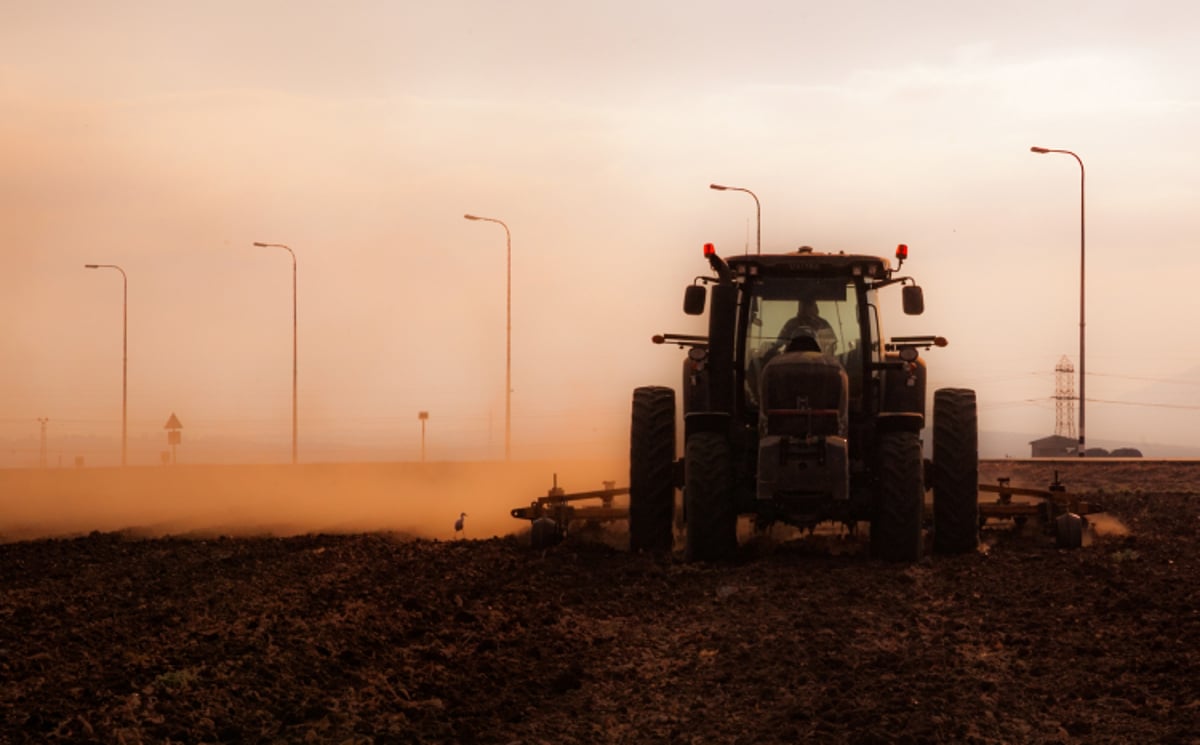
x=421, y=499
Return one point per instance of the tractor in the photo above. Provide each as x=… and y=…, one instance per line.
x=798, y=410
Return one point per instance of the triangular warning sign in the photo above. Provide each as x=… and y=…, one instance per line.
x=173, y=422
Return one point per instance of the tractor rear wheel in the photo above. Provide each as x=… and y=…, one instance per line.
x=708, y=499
x=651, y=458
x=900, y=502
x=955, y=471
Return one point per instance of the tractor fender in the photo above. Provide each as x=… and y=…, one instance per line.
x=899, y=421
x=904, y=385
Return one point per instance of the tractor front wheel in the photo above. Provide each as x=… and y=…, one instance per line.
x=900, y=501
x=708, y=498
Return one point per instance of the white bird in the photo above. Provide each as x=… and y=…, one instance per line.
x=458, y=525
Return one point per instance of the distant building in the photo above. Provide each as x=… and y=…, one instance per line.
x=1126, y=453
x=1057, y=446
x=1054, y=446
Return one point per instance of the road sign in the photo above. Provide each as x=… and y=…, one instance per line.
x=174, y=436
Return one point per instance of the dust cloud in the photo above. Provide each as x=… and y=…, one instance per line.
x=417, y=499
x=1104, y=524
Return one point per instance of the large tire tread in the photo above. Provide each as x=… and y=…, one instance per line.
x=651, y=461
x=708, y=493
x=955, y=471
x=896, y=530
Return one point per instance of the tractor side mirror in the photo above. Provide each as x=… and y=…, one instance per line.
x=693, y=300
x=914, y=300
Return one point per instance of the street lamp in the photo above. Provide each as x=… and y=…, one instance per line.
x=507, y=337
x=293, y=253
x=124, y=354
x=424, y=417
x=42, y=450
x=1082, y=244
x=757, y=207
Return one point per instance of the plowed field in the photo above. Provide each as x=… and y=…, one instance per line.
x=366, y=638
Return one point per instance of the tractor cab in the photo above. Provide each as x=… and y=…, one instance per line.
x=769, y=305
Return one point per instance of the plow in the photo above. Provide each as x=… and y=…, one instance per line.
x=550, y=516
x=1054, y=510
x=1059, y=512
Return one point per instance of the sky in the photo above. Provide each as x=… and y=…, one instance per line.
x=167, y=137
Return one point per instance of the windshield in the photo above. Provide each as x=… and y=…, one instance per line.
x=802, y=315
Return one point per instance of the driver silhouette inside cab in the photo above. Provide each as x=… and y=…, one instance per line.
x=799, y=333
x=806, y=332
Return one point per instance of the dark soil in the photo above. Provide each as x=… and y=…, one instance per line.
x=370, y=638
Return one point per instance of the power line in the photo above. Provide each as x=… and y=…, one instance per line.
x=1046, y=402
x=1142, y=403
x=1148, y=380
x=1043, y=401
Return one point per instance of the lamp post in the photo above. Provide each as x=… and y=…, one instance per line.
x=42, y=450
x=507, y=335
x=1082, y=244
x=424, y=417
x=757, y=208
x=294, y=365
x=124, y=354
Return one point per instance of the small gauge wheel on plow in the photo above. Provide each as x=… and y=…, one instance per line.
x=1068, y=524
x=1068, y=530
x=544, y=532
